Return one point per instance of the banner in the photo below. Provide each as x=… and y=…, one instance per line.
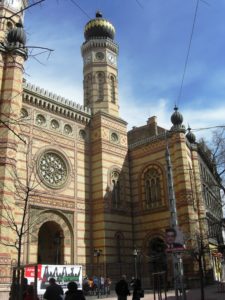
x=63, y=274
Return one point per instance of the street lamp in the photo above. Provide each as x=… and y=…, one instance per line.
x=135, y=254
x=57, y=241
x=97, y=253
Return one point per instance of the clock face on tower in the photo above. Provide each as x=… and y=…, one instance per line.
x=111, y=58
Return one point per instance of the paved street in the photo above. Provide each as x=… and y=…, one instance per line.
x=211, y=293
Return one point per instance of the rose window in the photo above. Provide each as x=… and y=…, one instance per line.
x=52, y=170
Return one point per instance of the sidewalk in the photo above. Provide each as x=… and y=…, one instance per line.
x=211, y=293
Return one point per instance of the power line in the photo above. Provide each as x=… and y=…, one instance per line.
x=138, y=2
x=206, y=128
x=80, y=8
x=188, y=53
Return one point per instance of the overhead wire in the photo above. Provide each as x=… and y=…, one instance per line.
x=206, y=128
x=139, y=3
x=188, y=54
x=80, y=8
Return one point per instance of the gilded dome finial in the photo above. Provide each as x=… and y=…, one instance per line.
x=98, y=14
x=99, y=28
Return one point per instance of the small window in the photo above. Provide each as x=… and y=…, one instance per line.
x=54, y=124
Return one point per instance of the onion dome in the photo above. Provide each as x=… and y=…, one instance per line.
x=176, y=118
x=190, y=136
x=17, y=35
x=99, y=28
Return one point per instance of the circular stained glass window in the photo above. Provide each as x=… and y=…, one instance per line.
x=82, y=134
x=52, y=169
x=67, y=129
x=114, y=138
x=24, y=113
x=54, y=124
x=40, y=120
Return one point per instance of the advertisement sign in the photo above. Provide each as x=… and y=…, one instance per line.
x=174, y=240
x=63, y=274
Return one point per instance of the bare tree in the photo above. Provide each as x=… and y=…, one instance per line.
x=15, y=216
x=217, y=146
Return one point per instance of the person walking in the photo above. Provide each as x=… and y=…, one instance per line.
x=53, y=291
x=108, y=283
x=73, y=293
x=29, y=295
x=137, y=290
x=122, y=289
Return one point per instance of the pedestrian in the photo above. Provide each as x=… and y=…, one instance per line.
x=102, y=285
x=73, y=293
x=53, y=291
x=29, y=295
x=108, y=283
x=137, y=290
x=222, y=276
x=122, y=289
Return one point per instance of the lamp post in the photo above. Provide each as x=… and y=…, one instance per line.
x=97, y=253
x=57, y=241
x=135, y=254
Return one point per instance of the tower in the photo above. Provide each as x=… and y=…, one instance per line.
x=110, y=190
x=8, y=16
x=100, y=53
x=12, y=56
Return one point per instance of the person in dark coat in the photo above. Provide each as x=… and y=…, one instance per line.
x=122, y=289
x=30, y=293
x=73, y=293
x=53, y=291
x=136, y=289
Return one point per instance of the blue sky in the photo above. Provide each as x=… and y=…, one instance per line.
x=153, y=40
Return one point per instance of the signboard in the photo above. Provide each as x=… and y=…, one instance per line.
x=174, y=240
x=63, y=274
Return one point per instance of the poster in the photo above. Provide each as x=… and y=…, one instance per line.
x=174, y=240
x=63, y=274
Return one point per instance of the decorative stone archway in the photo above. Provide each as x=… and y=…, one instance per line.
x=64, y=229
x=50, y=244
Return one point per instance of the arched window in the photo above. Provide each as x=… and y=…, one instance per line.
x=116, y=183
x=87, y=89
x=153, y=197
x=101, y=80
x=112, y=89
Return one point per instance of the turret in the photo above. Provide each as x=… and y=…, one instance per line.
x=100, y=53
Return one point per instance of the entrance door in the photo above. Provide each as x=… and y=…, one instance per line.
x=50, y=244
x=157, y=255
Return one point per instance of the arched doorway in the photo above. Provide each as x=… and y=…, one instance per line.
x=50, y=244
x=157, y=255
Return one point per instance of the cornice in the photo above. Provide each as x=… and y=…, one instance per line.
x=56, y=104
x=161, y=136
x=108, y=116
x=99, y=43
